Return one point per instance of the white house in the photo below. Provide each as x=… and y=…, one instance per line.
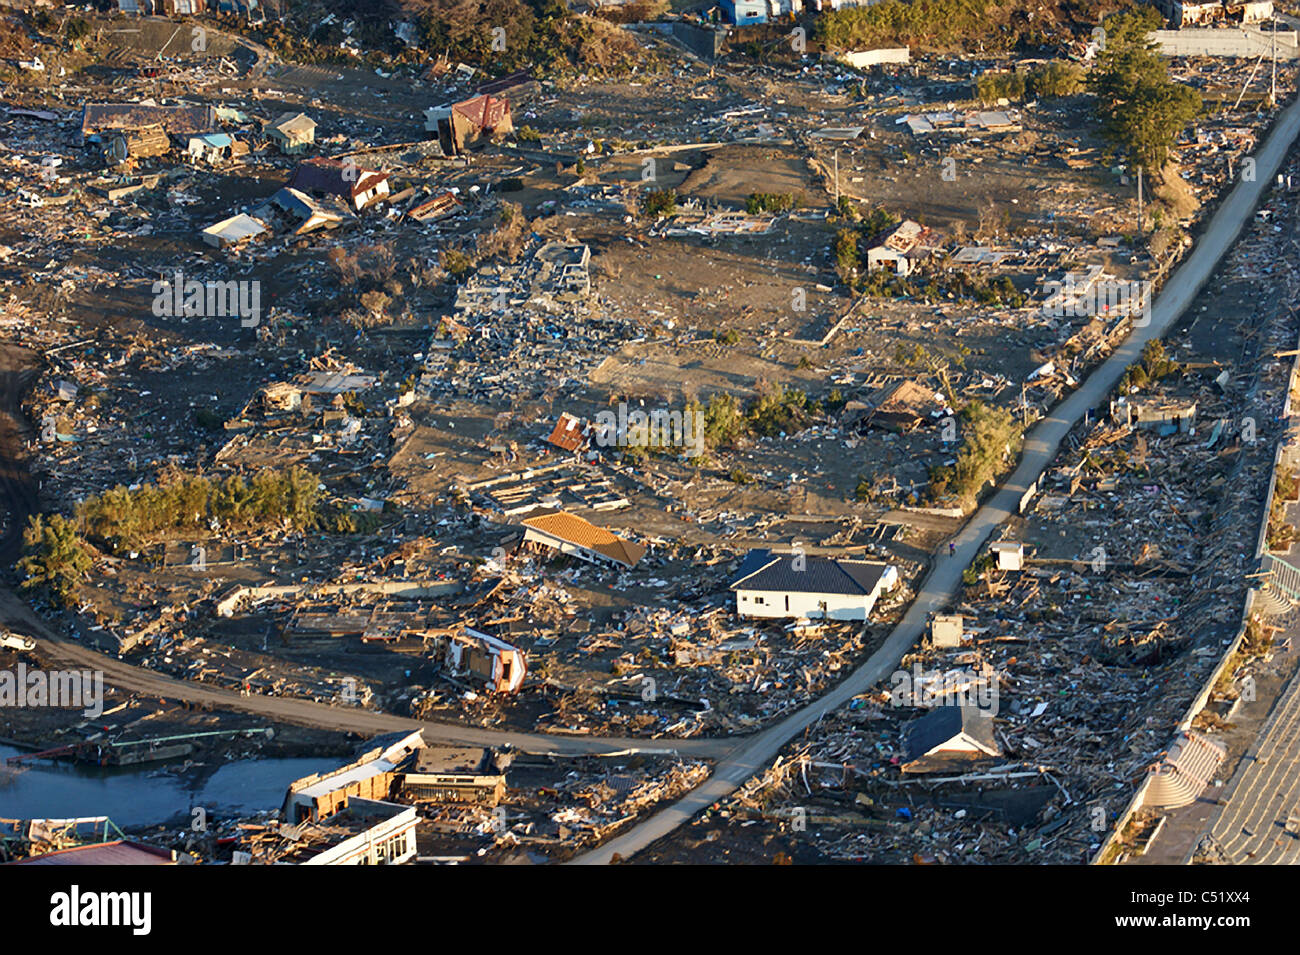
x=1010, y=554
x=793, y=585
x=900, y=248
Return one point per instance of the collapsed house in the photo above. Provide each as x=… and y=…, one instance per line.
x=456, y=774
x=361, y=832
x=347, y=816
x=132, y=145
x=793, y=585
x=462, y=650
x=984, y=122
x=903, y=408
x=99, y=121
x=215, y=149
x=575, y=537
x=357, y=187
x=948, y=738
x=499, y=664
x=563, y=269
x=172, y=8
x=373, y=775
x=438, y=206
x=461, y=125
x=233, y=231
x=1182, y=14
x=901, y=248
x=299, y=214
x=569, y=433
x=1166, y=416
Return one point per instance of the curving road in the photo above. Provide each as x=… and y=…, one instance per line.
x=125, y=676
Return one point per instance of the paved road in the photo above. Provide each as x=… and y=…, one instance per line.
x=1040, y=447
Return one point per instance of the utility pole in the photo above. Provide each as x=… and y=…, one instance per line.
x=837, y=178
x=1139, y=169
x=1272, y=93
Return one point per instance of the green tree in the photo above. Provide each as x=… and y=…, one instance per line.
x=659, y=202
x=1056, y=78
x=55, y=559
x=847, y=256
x=991, y=437
x=1141, y=110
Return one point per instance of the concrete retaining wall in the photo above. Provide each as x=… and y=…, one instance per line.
x=1207, y=41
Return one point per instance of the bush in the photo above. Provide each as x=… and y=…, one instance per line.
x=770, y=202
x=1046, y=81
x=659, y=203
x=1154, y=365
x=1055, y=79
x=991, y=87
x=456, y=263
x=77, y=29
x=777, y=410
x=507, y=238
x=847, y=256
x=932, y=22
x=724, y=421
x=208, y=420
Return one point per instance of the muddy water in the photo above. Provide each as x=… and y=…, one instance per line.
x=148, y=795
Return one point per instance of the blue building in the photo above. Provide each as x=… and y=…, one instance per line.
x=742, y=12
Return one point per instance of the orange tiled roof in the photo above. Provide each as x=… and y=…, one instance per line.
x=572, y=529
